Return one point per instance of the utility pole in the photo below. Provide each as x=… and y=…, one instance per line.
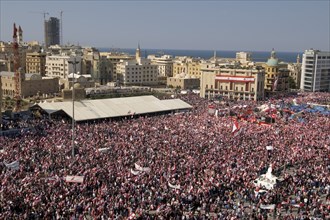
x=74, y=62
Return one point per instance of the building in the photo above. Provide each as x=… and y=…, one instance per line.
x=79, y=92
x=85, y=81
x=315, y=73
x=242, y=84
x=295, y=72
x=183, y=81
x=114, y=58
x=36, y=63
x=137, y=72
x=58, y=66
x=99, y=67
x=32, y=84
x=243, y=57
x=52, y=31
x=277, y=75
x=164, y=66
x=187, y=65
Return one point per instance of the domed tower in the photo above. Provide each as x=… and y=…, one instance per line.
x=276, y=74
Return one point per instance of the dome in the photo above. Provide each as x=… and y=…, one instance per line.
x=182, y=75
x=77, y=86
x=272, y=62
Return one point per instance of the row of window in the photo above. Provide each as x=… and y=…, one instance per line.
x=140, y=68
x=146, y=80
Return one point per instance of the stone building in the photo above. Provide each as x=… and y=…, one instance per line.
x=243, y=84
x=183, y=81
x=31, y=84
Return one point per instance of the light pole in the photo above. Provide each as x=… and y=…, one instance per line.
x=74, y=62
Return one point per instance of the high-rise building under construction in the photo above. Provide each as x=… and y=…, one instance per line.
x=52, y=31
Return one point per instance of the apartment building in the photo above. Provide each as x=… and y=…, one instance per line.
x=36, y=63
x=315, y=73
x=137, y=72
x=58, y=66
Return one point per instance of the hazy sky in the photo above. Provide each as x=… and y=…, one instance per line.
x=290, y=25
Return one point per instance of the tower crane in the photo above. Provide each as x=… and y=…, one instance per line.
x=41, y=12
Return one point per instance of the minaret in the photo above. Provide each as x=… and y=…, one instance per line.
x=138, y=53
x=298, y=59
x=19, y=35
x=273, y=54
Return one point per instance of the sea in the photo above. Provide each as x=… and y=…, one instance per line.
x=257, y=56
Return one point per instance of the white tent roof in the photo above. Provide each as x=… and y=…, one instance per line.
x=115, y=107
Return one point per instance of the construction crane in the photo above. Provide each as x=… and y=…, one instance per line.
x=61, y=13
x=17, y=94
x=41, y=12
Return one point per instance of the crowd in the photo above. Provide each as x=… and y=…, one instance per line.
x=175, y=166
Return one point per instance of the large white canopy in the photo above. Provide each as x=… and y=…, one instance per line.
x=114, y=107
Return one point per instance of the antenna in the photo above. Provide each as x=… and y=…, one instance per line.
x=61, y=13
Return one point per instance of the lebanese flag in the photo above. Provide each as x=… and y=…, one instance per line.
x=235, y=127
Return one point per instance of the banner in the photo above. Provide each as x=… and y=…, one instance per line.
x=103, y=149
x=269, y=148
x=173, y=186
x=135, y=172
x=272, y=206
x=144, y=169
x=74, y=179
x=13, y=165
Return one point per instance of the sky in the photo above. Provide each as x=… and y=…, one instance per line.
x=246, y=25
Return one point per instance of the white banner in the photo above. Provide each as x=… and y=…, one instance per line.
x=269, y=148
x=174, y=186
x=272, y=206
x=103, y=149
x=13, y=165
x=135, y=172
x=74, y=179
x=144, y=169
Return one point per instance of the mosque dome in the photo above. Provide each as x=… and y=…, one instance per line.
x=272, y=62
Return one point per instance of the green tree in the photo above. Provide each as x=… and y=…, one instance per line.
x=292, y=83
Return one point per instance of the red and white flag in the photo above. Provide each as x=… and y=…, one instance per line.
x=235, y=127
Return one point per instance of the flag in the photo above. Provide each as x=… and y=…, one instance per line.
x=235, y=127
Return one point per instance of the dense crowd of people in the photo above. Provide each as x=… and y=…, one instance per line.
x=187, y=165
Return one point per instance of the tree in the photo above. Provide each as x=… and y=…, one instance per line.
x=292, y=83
